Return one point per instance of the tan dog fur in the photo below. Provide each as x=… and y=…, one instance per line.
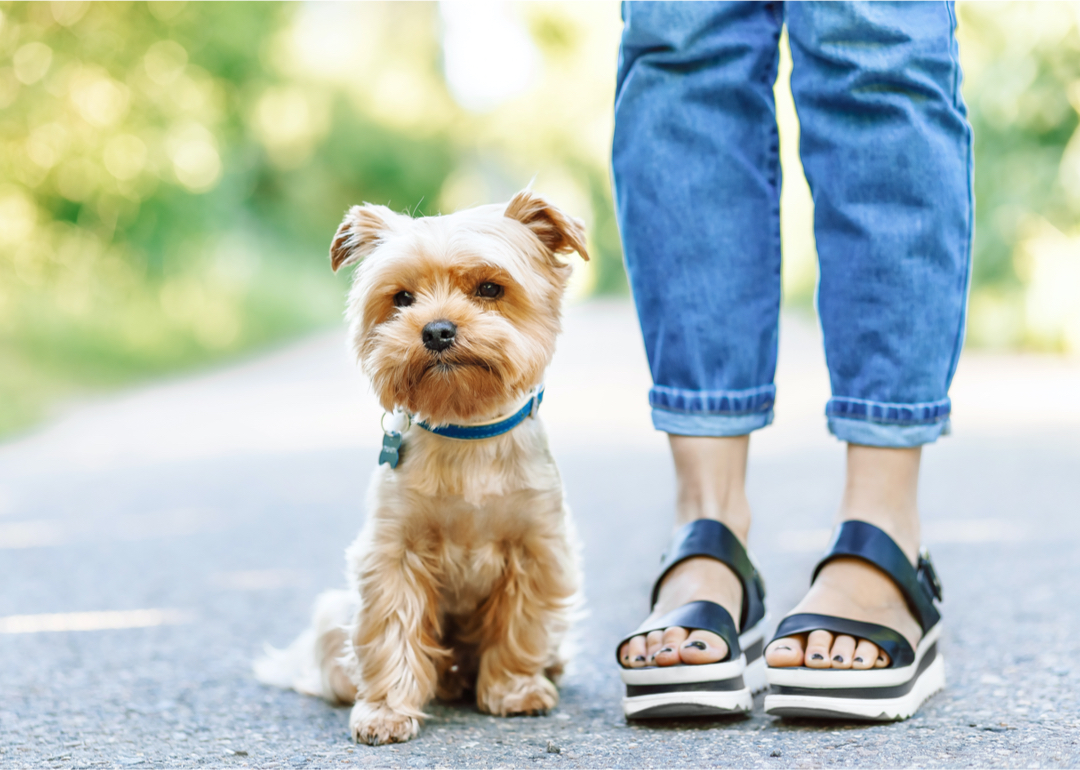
x=465, y=575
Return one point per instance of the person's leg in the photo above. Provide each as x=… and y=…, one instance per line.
x=710, y=475
x=697, y=192
x=887, y=151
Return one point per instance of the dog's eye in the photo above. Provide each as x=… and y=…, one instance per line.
x=489, y=290
x=404, y=299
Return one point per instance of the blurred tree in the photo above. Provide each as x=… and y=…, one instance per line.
x=168, y=189
x=1022, y=85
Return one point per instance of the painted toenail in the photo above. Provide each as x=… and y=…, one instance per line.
x=783, y=648
x=881, y=659
x=817, y=656
x=838, y=658
x=858, y=660
x=626, y=657
x=666, y=649
x=639, y=659
x=696, y=644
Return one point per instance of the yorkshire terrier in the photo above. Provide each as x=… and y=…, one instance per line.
x=465, y=576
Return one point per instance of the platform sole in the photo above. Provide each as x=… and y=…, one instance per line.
x=688, y=704
x=824, y=706
x=728, y=688
x=755, y=676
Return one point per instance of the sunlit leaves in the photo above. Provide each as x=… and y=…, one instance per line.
x=125, y=156
x=1022, y=84
x=31, y=62
x=289, y=120
x=165, y=61
x=192, y=148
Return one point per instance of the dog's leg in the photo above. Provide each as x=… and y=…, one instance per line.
x=395, y=640
x=522, y=622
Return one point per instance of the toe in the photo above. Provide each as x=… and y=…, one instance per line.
x=842, y=651
x=818, y=644
x=668, y=654
x=882, y=659
x=865, y=655
x=782, y=653
x=637, y=651
x=703, y=647
x=653, y=642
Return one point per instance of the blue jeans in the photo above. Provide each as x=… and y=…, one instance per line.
x=886, y=147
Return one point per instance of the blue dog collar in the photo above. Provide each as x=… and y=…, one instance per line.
x=471, y=432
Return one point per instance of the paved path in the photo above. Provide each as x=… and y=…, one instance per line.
x=203, y=515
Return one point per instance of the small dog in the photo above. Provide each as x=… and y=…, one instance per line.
x=465, y=576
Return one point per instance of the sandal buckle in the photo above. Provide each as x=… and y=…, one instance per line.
x=928, y=575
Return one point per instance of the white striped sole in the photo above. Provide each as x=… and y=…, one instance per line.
x=715, y=689
x=931, y=681
x=879, y=695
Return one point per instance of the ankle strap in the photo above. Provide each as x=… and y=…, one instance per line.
x=919, y=585
x=710, y=538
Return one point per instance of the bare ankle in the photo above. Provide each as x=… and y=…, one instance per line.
x=711, y=480
x=882, y=489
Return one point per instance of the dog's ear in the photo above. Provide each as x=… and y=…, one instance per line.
x=560, y=233
x=360, y=232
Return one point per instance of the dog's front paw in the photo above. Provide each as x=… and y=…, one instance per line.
x=376, y=724
x=531, y=695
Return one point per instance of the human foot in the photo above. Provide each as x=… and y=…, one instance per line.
x=855, y=590
x=881, y=489
x=710, y=477
x=691, y=580
x=849, y=599
x=705, y=568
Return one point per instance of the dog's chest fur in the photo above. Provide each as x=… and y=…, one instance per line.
x=470, y=509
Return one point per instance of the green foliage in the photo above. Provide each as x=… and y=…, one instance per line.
x=161, y=205
x=1023, y=121
x=1022, y=85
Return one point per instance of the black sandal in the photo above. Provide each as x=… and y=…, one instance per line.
x=877, y=694
x=715, y=689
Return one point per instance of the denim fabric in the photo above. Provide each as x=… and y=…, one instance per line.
x=886, y=147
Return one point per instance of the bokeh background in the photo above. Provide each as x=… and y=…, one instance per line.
x=171, y=173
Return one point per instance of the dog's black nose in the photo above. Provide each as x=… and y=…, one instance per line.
x=439, y=335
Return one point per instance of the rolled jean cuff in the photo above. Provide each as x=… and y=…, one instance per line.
x=699, y=424
x=874, y=423
x=721, y=402
x=711, y=412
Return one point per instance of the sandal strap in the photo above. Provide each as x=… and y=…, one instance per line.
x=694, y=616
x=710, y=538
x=895, y=645
x=919, y=585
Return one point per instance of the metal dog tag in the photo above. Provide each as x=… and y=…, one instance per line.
x=391, y=449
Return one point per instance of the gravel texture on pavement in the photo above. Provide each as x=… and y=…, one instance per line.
x=223, y=503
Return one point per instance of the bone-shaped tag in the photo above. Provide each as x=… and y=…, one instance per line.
x=391, y=449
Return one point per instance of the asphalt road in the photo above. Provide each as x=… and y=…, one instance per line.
x=203, y=515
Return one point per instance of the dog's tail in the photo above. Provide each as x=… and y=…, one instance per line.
x=318, y=662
